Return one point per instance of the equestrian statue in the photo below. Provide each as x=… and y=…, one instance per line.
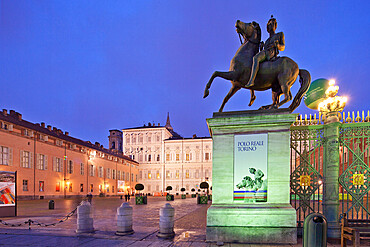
x=257, y=67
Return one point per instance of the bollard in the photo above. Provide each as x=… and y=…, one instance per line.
x=315, y=230
x=85, y=223
x=166, y=221
x=124, y=220
x=51, y=204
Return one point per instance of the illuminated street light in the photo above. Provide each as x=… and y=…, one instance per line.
x=332, y=103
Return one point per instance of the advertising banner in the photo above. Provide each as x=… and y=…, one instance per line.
x=121, y=186
x=7, y=189
x=250, y=168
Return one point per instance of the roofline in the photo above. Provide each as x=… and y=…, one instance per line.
x=188, y=138
x=16, y=118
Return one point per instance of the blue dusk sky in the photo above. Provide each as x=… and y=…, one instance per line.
x=90, y=66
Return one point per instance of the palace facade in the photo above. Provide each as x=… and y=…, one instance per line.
x=50, y=163
x=165, y=157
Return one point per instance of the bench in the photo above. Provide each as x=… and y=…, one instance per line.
x=354, y=230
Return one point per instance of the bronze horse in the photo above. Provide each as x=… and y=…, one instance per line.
x=279, y=74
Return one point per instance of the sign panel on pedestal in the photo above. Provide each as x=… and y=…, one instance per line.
x=250, y=168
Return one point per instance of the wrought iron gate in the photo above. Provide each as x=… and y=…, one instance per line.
x=354, y=181
x=307, y=164
x=306, y=168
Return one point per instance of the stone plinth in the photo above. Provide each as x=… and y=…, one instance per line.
x=166, y=221
x=124, y=220
x=230, y=220
x=85, y=223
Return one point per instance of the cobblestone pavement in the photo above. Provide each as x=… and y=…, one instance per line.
x=190, y=224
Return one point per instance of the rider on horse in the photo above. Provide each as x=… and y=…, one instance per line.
x=274, y=44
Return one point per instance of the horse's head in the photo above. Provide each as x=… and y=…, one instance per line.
x=249, y=31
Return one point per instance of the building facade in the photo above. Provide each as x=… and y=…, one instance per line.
x=167, y=159
x=50, y=163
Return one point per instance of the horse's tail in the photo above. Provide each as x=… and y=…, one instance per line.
x=305, y=80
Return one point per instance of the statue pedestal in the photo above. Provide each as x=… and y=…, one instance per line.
x=251, y=205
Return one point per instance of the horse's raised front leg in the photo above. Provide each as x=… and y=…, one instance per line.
x=232, y=91
x=230, y=75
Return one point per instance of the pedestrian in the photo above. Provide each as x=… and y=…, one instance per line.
x=126, y=198
x=89, y=197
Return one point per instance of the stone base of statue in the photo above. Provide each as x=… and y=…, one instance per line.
x=251, y=178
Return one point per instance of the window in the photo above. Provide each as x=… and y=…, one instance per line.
x=177, y=174
x=123, y=176
x=82, y=169
x=107, y=189
x=140, y=139
x=197, y=156
x=119, y=175
x=206, y=174
x=197, y=174
x=5, y=156
x=167, y=174
x=187, y=174
x=149, y=175
x=27, y=132
x=81, y=187
x=128, y=176
x=92, y=171
x=167, y=157
x=109, y=173
x=177, y=157
x=100, y=174
x=158, y=175
x=127, y=139
x=136, y=178
x=6, y=126
x=140, y=158
x=26, y=158
x=141, y=174
x=57, y=164
x=113, y=175
x=132, y=177
x=206, y=156
x=41, y=162
x=91, y=188
x=149, y=157
x=187, y=157
x=57, y=187
x=70, y=167
x=149, y=138
x=112, y=189
x=41, y=186
x=158, y=157
x=133, y=139
x=100, y=188
x=25, y=185
x=113, y=145
x=70, y=187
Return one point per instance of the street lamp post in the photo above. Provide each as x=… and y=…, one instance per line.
x=329, y=108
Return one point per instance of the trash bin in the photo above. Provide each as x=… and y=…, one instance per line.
x=51, y=204
x=315, y=230
x=145, y=199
